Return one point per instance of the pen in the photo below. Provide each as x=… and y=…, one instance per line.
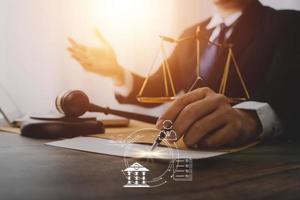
x=199, y=81
x=158, y=140
x=162, y=133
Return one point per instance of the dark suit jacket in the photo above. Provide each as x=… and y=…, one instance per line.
x=266, y=46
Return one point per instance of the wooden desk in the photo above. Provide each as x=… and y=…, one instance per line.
x=31, y=170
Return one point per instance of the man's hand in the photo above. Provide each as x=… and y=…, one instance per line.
x=101, y=61
x=205, y=118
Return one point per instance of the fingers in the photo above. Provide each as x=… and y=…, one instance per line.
x=205, y=127
x=81, y=60
x=106, y=43
x=225, y=135
x=101, y=38
x=199, y=114
x=195, y=111
x=179, y=104
x=206, y=118
x=72, y=42
x=75, y=45
x=80, y=57
x=78, y=52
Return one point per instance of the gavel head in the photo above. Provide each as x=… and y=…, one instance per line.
x=72, y=103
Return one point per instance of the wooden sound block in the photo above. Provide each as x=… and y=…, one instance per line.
x=55, y=129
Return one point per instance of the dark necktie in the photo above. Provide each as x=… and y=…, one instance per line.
x=211, y=54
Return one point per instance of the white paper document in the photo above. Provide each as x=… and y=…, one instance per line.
x=122, y=149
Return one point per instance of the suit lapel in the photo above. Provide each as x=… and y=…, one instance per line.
x=243, y=35
x=245, y=28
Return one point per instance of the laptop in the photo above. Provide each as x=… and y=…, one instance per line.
x=11, y=114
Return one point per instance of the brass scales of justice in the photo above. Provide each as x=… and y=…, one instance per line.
x=168, y=77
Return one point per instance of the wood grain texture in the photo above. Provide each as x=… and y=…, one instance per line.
x=31, y=170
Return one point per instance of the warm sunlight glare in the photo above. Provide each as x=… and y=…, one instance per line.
x=157, y=153
x=133, y=26
x=120, y=15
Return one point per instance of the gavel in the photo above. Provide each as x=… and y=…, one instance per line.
x=75, y=103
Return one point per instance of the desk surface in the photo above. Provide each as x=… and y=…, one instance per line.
x=30, y=169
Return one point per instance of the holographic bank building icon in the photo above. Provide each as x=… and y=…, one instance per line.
x=136, y=175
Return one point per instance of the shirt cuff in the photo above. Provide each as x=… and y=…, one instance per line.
x=271, y=125
x=126, y=88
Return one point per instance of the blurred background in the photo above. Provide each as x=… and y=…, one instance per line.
x=35, y=65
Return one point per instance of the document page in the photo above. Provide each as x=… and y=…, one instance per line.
x=124, y=149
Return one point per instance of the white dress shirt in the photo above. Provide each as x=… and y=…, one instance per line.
x=271, y=125
x=215, y=22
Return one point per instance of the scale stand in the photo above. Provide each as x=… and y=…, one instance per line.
x=168, y=77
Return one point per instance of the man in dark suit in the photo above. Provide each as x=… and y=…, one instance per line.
x=265, y=45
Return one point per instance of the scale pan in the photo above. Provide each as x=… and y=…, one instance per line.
x=155, y=99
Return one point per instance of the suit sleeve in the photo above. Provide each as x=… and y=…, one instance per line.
x=281, y=90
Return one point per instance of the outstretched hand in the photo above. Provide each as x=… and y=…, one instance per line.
x=101, y=61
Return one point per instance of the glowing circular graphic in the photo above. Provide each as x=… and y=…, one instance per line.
x=143, y=175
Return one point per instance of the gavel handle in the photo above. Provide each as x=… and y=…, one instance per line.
x=129, y=115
